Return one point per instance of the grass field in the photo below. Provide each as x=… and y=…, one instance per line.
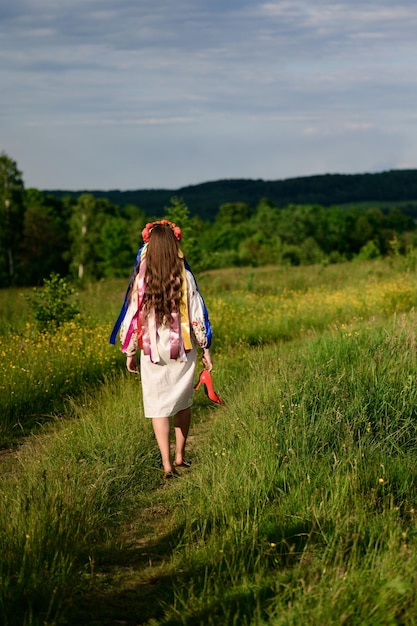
x=301, y=503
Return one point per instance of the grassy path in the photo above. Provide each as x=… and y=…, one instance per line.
x=134, y=565
x=132, y=578
x=89, y=527
x=134, y=572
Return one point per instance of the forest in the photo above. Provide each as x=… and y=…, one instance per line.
x=392, y=188
x=94, y=235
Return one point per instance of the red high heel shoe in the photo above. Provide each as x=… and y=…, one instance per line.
x=206, y=380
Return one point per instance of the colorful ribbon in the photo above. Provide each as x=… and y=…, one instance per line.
x=180, y=336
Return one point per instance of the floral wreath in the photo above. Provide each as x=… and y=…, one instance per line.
x=146, y=232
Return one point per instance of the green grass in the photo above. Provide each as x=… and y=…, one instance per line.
x=308, y=491
x=301, y=505
x=69, y=490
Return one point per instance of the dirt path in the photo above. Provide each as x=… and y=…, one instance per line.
x=134, y=575
x=7, y=460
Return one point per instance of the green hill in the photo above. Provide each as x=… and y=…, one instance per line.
x=394, y=187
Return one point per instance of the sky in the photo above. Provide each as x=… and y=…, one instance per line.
x=141, y=94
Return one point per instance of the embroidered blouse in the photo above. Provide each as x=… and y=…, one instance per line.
x=137, y=332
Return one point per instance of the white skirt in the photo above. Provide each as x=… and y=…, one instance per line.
x=167, y=386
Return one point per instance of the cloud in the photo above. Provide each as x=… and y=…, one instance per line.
x=117, y=80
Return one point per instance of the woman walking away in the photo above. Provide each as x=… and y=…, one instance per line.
x=165, y=317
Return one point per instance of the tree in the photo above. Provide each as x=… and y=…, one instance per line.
x=229, y=229
x=232, y=214
x=178, y=213
x=297, y=222
x=86, y=222
x=332, y=239
x=266, y=219
x=43, y=245
x=11, y=217
x=115, y=250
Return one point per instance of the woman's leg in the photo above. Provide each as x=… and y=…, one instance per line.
x=182, y=425
x=161, y=428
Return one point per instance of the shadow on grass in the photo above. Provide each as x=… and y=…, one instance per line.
x=122, y=595
x=138, y=585
x=129, y=585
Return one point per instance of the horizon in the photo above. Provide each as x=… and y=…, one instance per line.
x=219, y=180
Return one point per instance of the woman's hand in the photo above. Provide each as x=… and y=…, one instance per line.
x=132, y=364
x=207, y=361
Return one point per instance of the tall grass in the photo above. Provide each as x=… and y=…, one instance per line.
x=41, y=372
x=301, y=504
x=281, y=307
x=306, y=509
x=71, y=488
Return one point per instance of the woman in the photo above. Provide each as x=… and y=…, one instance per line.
x=166, y=318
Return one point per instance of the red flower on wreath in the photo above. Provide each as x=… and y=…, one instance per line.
x=146, y=232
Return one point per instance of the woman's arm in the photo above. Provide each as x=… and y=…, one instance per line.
x=129, y=324
x=207, y=360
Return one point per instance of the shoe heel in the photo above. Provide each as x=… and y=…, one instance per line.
x=200, y=381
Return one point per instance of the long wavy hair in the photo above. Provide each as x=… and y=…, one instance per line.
x=163, y=275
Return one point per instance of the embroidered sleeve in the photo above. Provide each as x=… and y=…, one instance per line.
x=196, y=312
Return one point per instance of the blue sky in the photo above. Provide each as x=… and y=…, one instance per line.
x=135, y=94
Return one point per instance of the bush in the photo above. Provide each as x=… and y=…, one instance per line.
x=50, y=305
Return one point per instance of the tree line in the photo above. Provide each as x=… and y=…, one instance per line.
x=88, y=238
x=393, y=188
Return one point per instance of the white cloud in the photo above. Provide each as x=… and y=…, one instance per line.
x=226, y=81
